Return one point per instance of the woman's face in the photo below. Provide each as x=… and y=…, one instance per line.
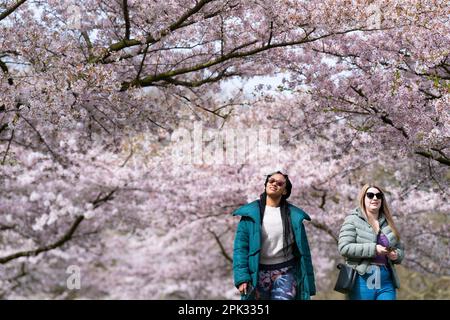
x=373, y=204
x=276, y=186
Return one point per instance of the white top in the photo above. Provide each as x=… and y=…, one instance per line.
x=272, y=238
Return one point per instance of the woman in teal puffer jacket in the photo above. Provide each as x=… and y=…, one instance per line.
x=271, y=256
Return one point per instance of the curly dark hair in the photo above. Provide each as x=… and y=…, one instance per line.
x=288, y=184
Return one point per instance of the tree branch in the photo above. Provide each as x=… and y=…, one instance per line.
x=142, y=61
x=189, y=13
x=429, y=155
x=430, y=96
x=7, y=148
x=41, y=139
x=66, y=237
x=4, y=227
x=382, y=115
x=3, y=67
x=88, y=43
x=387, y=120
x=222, y=37
x=126, y=16
x=325, y=228
x=125, y=43
x=323, y=197
x=193, y=84
x=8, y=11
x=5, y=70
x=3, y=127
x=100, y=200
x=15, y=279
x=150, y=80
x=222, y=249
x=270, y=34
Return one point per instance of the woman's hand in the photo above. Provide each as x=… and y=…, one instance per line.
x=243, y=288
x=381, y=250
x=393, y=255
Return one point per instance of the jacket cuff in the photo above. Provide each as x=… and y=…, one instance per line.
x=398, y=260
x=373, y=249
x=237, y=284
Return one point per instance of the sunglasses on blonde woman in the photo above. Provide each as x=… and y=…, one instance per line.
x=378, y=195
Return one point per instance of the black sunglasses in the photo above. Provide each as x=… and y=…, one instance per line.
x=378, y=195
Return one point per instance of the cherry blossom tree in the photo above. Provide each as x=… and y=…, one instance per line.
x=94, y=92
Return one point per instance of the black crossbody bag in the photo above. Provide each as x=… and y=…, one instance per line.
x=346, y=278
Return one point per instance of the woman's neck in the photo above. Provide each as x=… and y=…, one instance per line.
x=272, y=202
x=373, y=214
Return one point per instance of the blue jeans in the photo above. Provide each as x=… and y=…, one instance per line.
x=375, y=284
x=277, y=284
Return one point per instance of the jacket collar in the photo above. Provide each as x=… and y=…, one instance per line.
x=249, y=210
x=358, y=212
x=252, y=210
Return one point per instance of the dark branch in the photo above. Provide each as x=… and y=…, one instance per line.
x=336, y=54
x=142, y=61
x=88, y=43
x=270, y=34
x=222, y=249
x=188, y=14
x=3, y=127
x=359, y=92
x=429, y=155
x=220, y=76
x=41, y=139
x=430, y=95
x=8, y=11
x=222, y=37
x=4, y=227
x=125, y=43
x=3, y=67
x=100, y=200
x=423, y=267
x=388, y=121
x=325, y=228
x=150, y=80
x=382, y=115
x=66, y=237
x=7, y=148
x=126, y=16
x=323, y=197
x=5, y=70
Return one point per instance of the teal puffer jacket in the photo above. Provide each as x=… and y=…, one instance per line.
x=358, y=240
x=247, y=246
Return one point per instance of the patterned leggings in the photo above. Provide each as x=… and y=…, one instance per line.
x=276, y=284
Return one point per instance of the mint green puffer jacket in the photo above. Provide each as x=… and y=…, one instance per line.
x=357, y=243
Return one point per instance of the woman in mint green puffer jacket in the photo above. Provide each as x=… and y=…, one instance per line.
x=370, y=243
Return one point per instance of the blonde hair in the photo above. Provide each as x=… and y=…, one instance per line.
x=384, y=209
